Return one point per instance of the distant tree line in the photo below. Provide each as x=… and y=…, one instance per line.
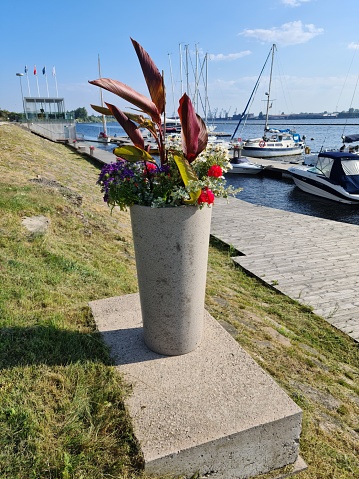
x=80, y=114
x=6, y=115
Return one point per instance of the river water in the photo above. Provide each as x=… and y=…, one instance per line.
x=280, y=194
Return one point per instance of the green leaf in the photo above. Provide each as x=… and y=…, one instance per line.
x=143, y=122
x=188, y=174
x=132, y=153
x=101, y=109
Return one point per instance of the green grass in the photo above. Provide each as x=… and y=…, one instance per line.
x=62, y=411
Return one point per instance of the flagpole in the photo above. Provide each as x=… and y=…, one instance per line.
x=54, y=75
x=37, y=81
x=47, y=86
x=27, y=78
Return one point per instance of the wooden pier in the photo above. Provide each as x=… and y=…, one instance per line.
x=312, y=260
x=272, y=167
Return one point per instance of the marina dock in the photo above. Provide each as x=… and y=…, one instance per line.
x=272, y=167
x=312, y=260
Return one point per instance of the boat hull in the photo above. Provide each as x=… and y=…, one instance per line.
x=258, y=152
x=311, y=183
x=242, y=166
x=101, y=139
x=250, y=169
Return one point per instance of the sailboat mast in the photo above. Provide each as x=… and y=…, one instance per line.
x=101, y=97
x=269, y=88
x=181, y=73
x=196, y=106
x=187, y=72
x=172, y=83
x=206, y=94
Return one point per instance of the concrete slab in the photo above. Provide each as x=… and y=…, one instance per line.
x=212, y=411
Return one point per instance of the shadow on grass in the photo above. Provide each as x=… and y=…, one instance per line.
x=49, y=345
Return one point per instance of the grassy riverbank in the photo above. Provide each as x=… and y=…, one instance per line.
x=61, y=402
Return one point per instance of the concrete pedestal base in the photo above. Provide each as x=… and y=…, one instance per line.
x=212, y=411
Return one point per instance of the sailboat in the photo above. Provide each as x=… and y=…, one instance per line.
x=103, y=136
x=274, y=142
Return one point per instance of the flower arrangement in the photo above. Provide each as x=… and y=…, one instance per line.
x=189, y=171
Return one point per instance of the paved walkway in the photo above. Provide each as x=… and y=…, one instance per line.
x=312, y=260
x=102, y=156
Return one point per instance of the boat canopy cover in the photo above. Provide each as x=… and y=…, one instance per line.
x=338, y=154
x=275, y=130
x=344, y=169
x=350, y=138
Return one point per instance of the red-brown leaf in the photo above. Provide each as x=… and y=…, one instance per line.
x=129, y=126
x=202, y=136
x=190, y=128
x=129, y=94
x=152, y=76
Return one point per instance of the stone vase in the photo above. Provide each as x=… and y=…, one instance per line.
x=171, y=249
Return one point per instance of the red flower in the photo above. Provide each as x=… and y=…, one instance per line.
x=206, y=196
x=215, y=171
x=150, y=169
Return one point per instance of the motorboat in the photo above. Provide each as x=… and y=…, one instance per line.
x=243, y=166
x=310, y=159
x=274, y=142
x=335, y=177
x=214, y=141
x=350, y=139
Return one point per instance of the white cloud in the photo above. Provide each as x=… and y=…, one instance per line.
x=291, y=33
x=353, y=46
x=294, y=3
x=229, y=57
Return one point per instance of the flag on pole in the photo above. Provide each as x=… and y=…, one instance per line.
x=27, y=78
x=47, y=86
x=53, y=72
x=35, y=72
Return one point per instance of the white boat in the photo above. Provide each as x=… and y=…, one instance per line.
x=274, y=142
x=173, y=125
x=335, y=177
x=350, y=139
x=243, y=166
x=215, y=141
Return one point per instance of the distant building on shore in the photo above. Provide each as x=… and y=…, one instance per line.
x=47, y=117
x=41, y=108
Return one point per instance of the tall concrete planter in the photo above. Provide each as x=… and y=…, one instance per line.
x=171, y=249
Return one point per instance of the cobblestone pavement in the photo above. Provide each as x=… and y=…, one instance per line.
x=312, y=260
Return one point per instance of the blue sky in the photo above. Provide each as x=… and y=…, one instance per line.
x=316, y=67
